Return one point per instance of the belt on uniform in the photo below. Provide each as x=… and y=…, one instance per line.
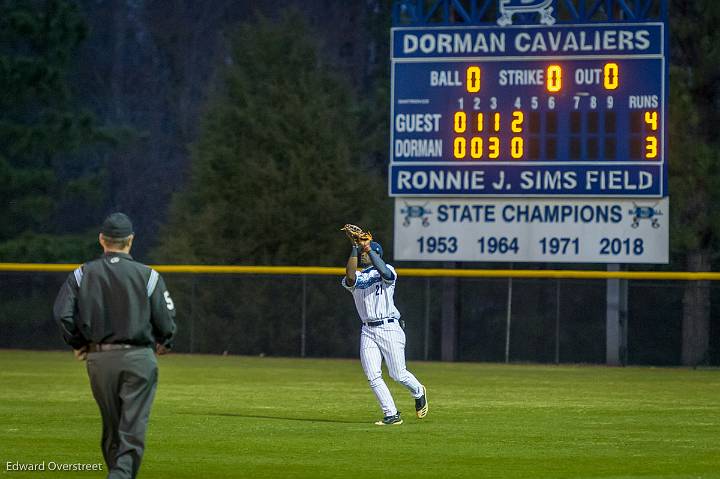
x=96, y=348
x=378, y=322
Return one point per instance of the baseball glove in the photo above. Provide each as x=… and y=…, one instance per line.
x=356, y=234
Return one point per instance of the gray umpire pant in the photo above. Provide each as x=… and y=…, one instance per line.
x=123, y=383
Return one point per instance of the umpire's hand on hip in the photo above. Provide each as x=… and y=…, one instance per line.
x=160, y=349
x=81, y=354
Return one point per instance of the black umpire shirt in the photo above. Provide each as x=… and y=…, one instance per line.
x=115, y=299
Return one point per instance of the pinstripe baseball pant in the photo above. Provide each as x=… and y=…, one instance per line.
x=387, y=342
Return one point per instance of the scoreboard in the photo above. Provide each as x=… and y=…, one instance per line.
x=544, y=111
x=525, y=142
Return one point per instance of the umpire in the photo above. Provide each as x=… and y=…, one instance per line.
x=114, y=312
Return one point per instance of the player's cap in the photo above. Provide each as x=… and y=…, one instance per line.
x=375, y=246
x=117, y=225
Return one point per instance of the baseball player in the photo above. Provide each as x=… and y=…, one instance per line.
x=381, y=336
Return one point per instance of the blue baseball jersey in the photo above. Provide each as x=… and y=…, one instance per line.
x=373, y=295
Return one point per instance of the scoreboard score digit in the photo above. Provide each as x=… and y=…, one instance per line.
x=531, y=111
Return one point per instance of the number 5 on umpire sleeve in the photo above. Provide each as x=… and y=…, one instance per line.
x=169, y=301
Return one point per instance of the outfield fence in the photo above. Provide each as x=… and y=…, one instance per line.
x=552, y=316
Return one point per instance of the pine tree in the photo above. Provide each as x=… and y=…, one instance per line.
x=40, y=128
x=695, y=159
x=279, y=167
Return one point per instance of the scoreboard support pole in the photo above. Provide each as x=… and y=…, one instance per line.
x=449, y=317
x=616, y=320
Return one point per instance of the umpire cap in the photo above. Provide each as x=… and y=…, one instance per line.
x=117, y=225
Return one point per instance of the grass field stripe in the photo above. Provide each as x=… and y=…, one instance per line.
x=218, y=417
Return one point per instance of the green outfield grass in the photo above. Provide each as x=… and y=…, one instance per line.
x=225, y=417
